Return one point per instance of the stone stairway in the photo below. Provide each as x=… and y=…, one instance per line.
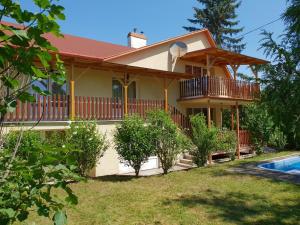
x=185, y=161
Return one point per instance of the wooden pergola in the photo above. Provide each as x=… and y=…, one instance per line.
x=219, y=57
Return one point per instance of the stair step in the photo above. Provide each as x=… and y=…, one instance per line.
x=183, y=165
x=186, y=161
x=187, y=156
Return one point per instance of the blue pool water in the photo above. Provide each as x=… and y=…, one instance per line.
x=289, y=165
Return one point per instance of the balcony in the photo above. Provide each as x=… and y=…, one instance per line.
x=217, y=87
x=57, y=108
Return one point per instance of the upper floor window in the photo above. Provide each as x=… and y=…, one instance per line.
x=196, y=70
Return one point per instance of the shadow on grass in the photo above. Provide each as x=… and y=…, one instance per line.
x=116, y=178
x=242, y=208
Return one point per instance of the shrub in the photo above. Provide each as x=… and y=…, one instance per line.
x=133, y=142
x=28, y=174
x=204, y=138
x=28, y=140
x=277, y=139
x=260, y=124
x=226, y=142
x=168, y=139
x=90, y=145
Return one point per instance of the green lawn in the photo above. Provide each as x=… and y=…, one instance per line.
x=199, y=196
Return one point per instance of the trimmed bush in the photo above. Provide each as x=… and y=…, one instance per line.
x=134, y=142
x=89, y=143
x=204, y=139
x=168, y=139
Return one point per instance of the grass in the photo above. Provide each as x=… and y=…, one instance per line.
x=209, y=195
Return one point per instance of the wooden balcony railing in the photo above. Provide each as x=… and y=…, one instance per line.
x=44, y=108
x=56, y=108
x=218, y=87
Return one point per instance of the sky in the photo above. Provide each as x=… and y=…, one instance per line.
x=111, y=20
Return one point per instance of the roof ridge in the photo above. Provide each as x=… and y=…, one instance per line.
x=159, y=43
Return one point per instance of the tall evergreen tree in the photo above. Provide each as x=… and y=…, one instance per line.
x=220, y=18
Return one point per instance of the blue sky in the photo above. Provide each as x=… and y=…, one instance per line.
x=160, y=19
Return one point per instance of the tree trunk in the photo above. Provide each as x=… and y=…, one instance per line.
x=137, y=170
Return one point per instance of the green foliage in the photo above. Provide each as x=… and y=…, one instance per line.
x=277, y=139
x=282, y=78
x=204, y=139
x=25, y=53
x=134, y=142
x=260, y=124
x=226, y=142
x=27, y=181
x=30, y=140
x=219, y=17
x=90, y=145
x=168, y=139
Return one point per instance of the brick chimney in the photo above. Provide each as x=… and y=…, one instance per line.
x=136, y=40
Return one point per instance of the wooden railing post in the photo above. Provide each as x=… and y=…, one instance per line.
x=126, y=100
x=237, y=130
x=72, y=100
x=72, y=95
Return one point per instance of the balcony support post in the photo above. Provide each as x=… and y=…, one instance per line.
x=72, y=94
x=237, y=130
x=125, y=95
x=232, y=118
x=165, y=96
x=209, y=126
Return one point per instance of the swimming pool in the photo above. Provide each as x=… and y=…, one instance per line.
x=289, y=165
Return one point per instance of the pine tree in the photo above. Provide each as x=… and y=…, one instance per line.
x=219, y=17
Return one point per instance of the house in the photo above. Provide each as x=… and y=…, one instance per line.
x=183, y=75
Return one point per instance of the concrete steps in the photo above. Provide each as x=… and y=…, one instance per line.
x=186, y=161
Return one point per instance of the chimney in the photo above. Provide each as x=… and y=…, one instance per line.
x=136, y=40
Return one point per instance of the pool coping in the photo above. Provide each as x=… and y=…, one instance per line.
x=252, y=168
x=261, y=165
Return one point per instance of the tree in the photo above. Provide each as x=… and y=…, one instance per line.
x=219, y=17
x=281, y=94
x=25, y=53
x=134, y=142
x=90, y=145
x=26, y=57
x=27, y=182
x=169, y=141
x=204, y=138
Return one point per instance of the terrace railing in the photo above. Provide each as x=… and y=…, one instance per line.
x=218, y=87
x=44, y=108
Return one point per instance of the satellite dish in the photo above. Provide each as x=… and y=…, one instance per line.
x=178, y=49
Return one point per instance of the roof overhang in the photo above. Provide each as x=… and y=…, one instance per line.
x=222, y=57
x=99, y=64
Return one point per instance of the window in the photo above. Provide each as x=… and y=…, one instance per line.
x=196, y=70
x=51, y=86
x=117, y=89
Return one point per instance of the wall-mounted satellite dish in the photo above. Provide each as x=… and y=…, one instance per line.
x=178, y=49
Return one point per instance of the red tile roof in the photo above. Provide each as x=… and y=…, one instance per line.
x=79, y=46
